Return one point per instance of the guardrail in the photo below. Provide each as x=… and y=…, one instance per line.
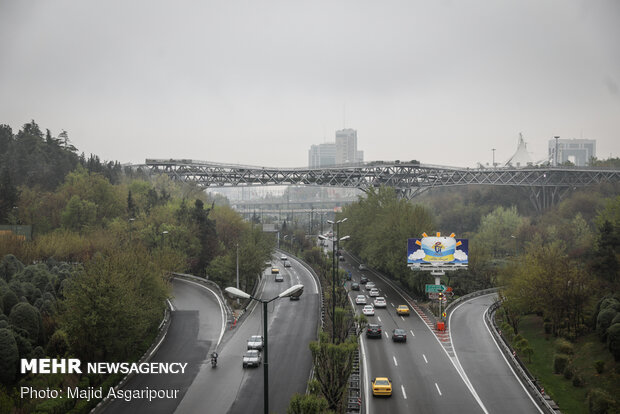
x=543, y=400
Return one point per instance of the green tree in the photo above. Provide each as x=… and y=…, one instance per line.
x=333, y=365
x=8, y=356
x=307, y=404
x=79, y=214
x=496, y=229
x=26, y=317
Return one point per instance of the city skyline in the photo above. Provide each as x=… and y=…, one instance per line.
x=443, y=83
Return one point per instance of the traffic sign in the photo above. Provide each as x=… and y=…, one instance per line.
x=433, y=295
x=435, y=288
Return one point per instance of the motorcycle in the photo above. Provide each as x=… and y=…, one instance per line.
x=213, y=360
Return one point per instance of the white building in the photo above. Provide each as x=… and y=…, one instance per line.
x=322, y=155
x=578, y=151
x=346, y=147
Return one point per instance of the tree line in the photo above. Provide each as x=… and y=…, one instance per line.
x=93, y=281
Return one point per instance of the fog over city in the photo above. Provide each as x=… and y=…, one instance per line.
x=259, y=82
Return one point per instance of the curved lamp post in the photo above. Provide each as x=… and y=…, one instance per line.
x=241, y=294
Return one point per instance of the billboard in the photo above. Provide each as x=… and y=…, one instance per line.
x=437, y=251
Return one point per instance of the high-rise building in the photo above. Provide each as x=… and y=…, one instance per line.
x=577, y=151
x=346, y=147
x=322, y=155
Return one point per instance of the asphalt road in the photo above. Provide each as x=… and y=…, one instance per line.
x=491, y=376
x=195, y=329
x=424, y=378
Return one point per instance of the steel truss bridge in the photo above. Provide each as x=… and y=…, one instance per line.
x=547, y=185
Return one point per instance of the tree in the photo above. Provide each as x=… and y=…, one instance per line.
x=9, y=195
x=26, y=317
x=307, y=404
x=496, y=229
x=333, y=365
x=79, y=214
x=8, y=356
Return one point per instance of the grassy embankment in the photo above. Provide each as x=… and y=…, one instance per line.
x=588, y=349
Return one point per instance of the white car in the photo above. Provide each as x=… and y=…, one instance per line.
x=370, y=285
x=360, y=300
x=255, y=342
x=373, y=293
x=380, y=302
x=362, y=266
x=368, y=310
x=251, y=358
x=283, y=258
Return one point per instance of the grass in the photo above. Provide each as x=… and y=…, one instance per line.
x=588, y=349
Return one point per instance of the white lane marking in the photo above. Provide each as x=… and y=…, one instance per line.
x=379, y=318
x=386, y=334
x=221, y=308
x=170, y=304
x=507, y=363
x=402, y=387
x=438, y=390
x=425, y=360
x=412, y=334
x=366, y=377
x=395, y=362
x=392, y=305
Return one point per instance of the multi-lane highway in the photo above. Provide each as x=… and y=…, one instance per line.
x=199, y=327
x=472, y=378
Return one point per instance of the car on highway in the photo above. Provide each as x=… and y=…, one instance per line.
x=251, y=358
x=362, y=266
x=355, y=286
x=381, y=386
x=374, y=293
x=360, y=299
x=255, y=342
x=363, y=280
x=373, y=330
x=287, y=264
x=283, y=258
x=275, y=270
x=380, y=302
x=279, y=278
x=370, y=285
x=368, y=310
x=402, y=310
x=399, y=335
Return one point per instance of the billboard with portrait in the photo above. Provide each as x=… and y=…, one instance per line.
x=437, y=251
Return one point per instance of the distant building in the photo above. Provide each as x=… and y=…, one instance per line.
x=346, y=147
x=343, y=151
x=322, y=155
x=577, y=151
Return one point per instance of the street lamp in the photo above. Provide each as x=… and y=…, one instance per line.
x=493, y=149
x=241, y=294
x=335, y=240
x=163, y=240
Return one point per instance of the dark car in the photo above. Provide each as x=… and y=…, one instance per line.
x=399, y=335
x=355, y=286
x=373, y=330
x=363, y=280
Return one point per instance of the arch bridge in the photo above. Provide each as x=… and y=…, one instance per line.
x=547, y=185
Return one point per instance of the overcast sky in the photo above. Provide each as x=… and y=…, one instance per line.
x=257, y=82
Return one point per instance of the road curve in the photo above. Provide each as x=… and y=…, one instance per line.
x=490, y=374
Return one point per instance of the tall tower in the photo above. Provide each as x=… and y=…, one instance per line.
x=346, y=147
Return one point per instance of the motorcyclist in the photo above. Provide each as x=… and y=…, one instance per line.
x=214, y=358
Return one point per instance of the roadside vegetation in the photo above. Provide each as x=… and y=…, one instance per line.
x=92, y=282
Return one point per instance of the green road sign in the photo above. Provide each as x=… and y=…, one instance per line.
x=435, y=288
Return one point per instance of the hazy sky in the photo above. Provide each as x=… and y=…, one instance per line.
x=258, y=82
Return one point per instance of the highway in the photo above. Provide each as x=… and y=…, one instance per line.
x=198, y=327
x=424, y=378
x=490, y=374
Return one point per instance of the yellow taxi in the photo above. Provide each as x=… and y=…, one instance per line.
x=275, y=270
x=381, y=386
x=402, y=310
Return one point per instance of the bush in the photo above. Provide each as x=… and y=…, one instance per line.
x=603, y=321
x=8, y=356
x=569, y=372
x=578, y=380
x=562, y=346
x=547, y=326
x=599, y=366
x=26, y=316
x=599, y=402
x=559, y=363
x=613, y=340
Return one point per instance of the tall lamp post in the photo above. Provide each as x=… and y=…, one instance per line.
x=297, y=289
x=335, y=240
